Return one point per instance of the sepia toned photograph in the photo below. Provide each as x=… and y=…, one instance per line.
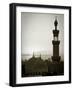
x=42, y=44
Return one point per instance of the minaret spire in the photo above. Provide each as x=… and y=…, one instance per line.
x=55, y=23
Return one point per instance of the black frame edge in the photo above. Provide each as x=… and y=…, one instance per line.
x=41, y=5
x=43, y=83
x=12, y=48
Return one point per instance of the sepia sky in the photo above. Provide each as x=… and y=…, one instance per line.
x=37, y=33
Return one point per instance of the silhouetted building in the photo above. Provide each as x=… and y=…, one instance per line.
x=56, y=43
x=36, y=66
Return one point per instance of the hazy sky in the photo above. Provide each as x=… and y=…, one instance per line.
x=37, y=33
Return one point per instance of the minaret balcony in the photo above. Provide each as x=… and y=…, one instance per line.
x=55, y=42
x=55, y=32
x=56, y=58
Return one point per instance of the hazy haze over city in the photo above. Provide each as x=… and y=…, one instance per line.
x=36, y=33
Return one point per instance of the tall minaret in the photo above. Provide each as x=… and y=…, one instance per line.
x=55, y=42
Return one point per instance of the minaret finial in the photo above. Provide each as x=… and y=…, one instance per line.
x=55, y=22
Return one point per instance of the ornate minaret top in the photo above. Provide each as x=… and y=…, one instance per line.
x=56, y=23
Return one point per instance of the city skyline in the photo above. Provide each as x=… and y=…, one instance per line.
x=37, y=33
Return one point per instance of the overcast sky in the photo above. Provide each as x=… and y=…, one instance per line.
x=37, y=33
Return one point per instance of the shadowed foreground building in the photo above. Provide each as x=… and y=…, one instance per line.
x=39, y=67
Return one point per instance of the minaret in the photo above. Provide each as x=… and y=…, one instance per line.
x=55, y=42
